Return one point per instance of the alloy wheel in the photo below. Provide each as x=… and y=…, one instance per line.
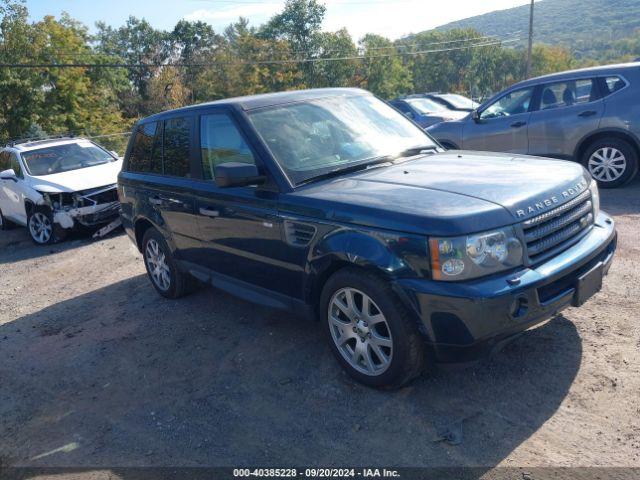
x=157, y=265
x=40, y=227
x=360, y=331
x=607, y=164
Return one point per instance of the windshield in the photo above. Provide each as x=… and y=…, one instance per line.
x=62, y=158
x=424, y=105
x=316, y=137
x=459, y=101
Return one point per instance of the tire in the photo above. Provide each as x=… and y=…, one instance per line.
x=612, y=162
x=405, y=353
x=41, y=228
x=179, y=283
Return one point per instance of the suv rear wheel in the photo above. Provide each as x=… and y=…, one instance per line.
x=611, y=162
x=168, y=280
x=370, y=331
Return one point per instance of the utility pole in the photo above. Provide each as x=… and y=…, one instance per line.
x=530, y=40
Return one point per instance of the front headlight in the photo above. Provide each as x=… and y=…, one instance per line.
x=595, y=198
x=473, y=256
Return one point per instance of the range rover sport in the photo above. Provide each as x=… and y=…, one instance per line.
x=331, y=203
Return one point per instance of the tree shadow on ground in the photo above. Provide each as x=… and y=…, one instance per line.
x=122, y=377
x=16, y=245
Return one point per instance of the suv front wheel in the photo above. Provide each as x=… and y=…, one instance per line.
x=612, y=162
x=370, y=331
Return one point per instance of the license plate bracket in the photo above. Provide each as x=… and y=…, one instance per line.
x=588, y=284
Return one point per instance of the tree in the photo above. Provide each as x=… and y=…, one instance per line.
x=299, y=24
x=381, y=71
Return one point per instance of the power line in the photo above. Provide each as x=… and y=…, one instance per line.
x=250, y=62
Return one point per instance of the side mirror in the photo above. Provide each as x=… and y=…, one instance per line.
x=8, y=175
x=236, y=174
x=475, y=115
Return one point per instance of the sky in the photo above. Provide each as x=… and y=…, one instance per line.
x=390, y=18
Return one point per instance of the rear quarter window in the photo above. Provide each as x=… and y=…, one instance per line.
x=146, y=152
x=612, y=84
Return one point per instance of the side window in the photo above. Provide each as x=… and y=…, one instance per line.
x=15, y=164
x=146, y=153
x=403, y=107
x=565, y=94
x=221, y=142
x=177, y=144
x=512, y=103
x=613, y=84
x=5, y=163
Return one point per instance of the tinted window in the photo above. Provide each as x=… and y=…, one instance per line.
x=177, y=132
x=565, y=94
x=221, y=142
x=403, y=107
x=146, y=153
x=613, y=84
x=512, y=103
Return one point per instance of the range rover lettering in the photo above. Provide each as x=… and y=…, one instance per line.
x=333, y=204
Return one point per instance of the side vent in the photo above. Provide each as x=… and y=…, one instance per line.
x=298, y=234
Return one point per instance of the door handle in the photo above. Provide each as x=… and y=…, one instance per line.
x=518, y=124
x=587, y=113
x=208, y=212
x=155, y=200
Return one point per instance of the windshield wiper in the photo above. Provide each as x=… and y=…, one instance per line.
x=410, y=152
x=365, y=165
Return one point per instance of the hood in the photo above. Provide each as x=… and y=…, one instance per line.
x=450, y=193
x=80, y=179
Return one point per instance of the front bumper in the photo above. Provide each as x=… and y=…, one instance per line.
x=466, y=320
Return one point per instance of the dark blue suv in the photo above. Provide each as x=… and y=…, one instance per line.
x=332, y=204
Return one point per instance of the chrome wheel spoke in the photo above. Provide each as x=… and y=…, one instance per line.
x=159, y=270
x=607, y=164
x=360, y=331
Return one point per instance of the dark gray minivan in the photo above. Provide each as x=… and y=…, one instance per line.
x=590, y=115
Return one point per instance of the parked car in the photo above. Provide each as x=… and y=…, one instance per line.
x=425, y=112
x=590, y=115
x=54, y=185
x=452, y=101
x=332, y=204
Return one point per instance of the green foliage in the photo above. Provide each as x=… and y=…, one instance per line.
x=590, y=29
x=193, y=63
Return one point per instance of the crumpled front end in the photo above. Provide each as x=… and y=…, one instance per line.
x=90, y=208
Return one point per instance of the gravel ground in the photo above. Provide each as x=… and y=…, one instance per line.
x=97, y=370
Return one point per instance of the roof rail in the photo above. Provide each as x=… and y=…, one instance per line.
x=19, y=141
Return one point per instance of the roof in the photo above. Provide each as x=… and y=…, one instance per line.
x=251, y=102
x=50, y=142
x=602, y=69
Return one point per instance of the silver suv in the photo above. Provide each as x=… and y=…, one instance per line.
x=590, y=115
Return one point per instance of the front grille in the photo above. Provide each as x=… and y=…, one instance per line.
x=553, y=231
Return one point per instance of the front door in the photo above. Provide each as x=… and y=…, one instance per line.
x=501, y=126
x=239, y=227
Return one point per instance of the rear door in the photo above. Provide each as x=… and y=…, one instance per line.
x=566, y=112
x=502, y=125
x=239, y=227
x=162, y=153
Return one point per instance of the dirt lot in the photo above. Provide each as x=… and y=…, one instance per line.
x=97, y=370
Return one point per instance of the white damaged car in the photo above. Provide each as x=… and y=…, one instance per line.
x=52, y=186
